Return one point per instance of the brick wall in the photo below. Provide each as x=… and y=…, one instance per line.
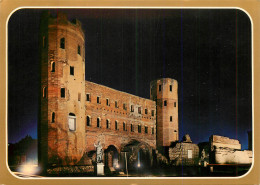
x=58, y=145
x=126, y=112
x=179, y=155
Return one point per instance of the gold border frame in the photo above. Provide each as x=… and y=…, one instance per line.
x=251, y=7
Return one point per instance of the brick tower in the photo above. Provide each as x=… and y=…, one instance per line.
x=61, y=129
x=165, y=92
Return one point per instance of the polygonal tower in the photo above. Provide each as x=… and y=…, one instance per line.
x=61, y=125
x=165, y=92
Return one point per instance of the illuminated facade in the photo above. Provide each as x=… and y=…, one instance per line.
x=75, y=114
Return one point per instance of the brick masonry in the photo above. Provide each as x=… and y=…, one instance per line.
x=75, y=114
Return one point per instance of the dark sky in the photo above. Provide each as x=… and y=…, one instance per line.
x=207, y=51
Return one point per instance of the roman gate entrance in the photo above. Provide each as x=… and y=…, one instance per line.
x=136, y=155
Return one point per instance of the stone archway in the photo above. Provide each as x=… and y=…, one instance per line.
x=111, y=157
x=144, y=158
x=139, y=155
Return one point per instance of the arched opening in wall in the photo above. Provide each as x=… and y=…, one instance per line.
x=52, y=66
x=98, y=123
x=108, y=124
x=44, y=92
x=144, y=159
x=62, y=43
x=72, y=122
x=88, y=121
x=111, y=157
x=137, y=156
x=53, y=117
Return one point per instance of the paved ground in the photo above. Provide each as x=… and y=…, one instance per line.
x=223, y=171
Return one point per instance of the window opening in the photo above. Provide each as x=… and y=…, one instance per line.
x=98, y=100
x=44, y=92
x=62, y=92
x=72, y=70
x=108, y=124
x=79, y=96
x=72, y=122
x=146, y=129
x=98, y=123
x=116, y=125
x=139, y=129
x=87, y=97
x=52, y=66
x=62, y=43
x=139, y=110
x=132, y=128
x=124, y=126
x=132, y=108
x=88, y=121
x=124, y=106
x=53, y=117
x=79, y=50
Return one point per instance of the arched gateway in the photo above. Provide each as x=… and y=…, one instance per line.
x=111, y=157
x=136, y=155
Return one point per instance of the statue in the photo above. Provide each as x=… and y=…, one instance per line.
x=99, y=152
x=203, y=154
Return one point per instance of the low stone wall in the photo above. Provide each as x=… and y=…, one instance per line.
x=221, y=141
x=71, y=170
x=230, y=156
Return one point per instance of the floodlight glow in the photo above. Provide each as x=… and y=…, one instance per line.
x=29, y=169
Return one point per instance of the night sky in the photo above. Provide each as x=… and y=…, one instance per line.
x=207, y=51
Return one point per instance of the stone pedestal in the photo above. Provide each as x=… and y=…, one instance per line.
x=100, y=169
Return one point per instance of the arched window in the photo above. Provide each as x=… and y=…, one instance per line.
x=53, y=117
x=72, y=122
x=44, y=92
x=139, y=129
x=52, y=66
x=62, y=43
x=146, y=129
x=124, y=127
x=88, y=121
x=116, y=125
x=108, y=124
x=98, y=123
x=132, y=128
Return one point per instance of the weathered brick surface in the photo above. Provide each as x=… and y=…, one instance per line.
x=60, y=146
x=167, y=130
x=119, y=137
x=179, y=154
